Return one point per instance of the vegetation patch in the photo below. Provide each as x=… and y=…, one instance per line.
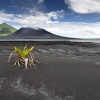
x=6, y=29
x=24, y=56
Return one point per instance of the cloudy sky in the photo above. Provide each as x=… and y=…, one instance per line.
x=70, y=18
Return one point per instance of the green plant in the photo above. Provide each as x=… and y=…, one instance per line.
x=24, y=56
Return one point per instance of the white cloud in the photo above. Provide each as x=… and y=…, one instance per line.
x=40, y=1
x=76, y=30
x=5, y=16
x=84, y=6
x=56, y=15
x=44, y=20
x=33, y=18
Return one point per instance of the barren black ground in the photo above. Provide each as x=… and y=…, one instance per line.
x=69, y=71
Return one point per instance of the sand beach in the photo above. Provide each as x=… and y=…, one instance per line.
x=69, y=71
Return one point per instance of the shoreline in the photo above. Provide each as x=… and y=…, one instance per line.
x=48, y=42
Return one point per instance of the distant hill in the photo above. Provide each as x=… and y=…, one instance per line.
x=6, y=29
x=30, y=33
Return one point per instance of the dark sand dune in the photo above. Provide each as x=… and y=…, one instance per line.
x=67, y=72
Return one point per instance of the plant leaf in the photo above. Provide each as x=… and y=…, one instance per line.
x=30, y=49
x=25, y=47
x=15, y=48
x=23, y=52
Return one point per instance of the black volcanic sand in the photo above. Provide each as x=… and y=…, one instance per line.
x=69, y=71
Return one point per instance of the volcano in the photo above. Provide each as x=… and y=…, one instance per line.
x=34, y=33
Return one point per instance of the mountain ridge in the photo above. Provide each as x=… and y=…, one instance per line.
x=27, y=33
x=6, y=29
x=31, y=33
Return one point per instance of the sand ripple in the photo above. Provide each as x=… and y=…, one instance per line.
x=31, y=92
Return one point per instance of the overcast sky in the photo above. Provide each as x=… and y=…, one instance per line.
x=70, y=18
